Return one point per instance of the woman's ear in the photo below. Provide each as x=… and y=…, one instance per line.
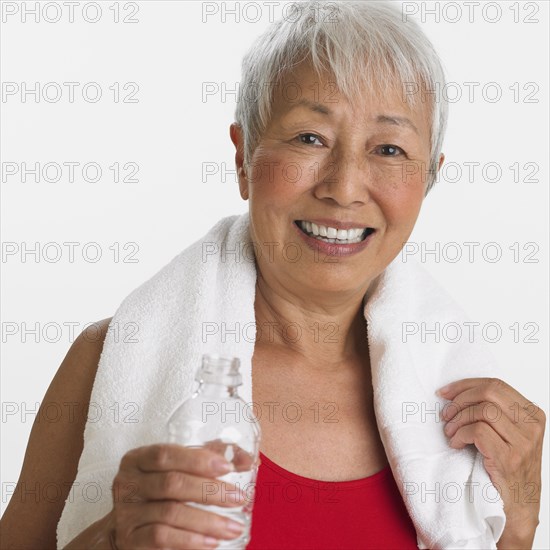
x=441, y=161
x=236, y=134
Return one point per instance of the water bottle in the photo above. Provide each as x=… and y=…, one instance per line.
x=215, y=417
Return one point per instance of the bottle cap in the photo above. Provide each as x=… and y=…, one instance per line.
x=217, y=369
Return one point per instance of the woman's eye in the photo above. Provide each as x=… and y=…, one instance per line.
x=305, y=138
x=391, y=150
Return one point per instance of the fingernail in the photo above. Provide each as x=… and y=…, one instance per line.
x=443, y=390
x=235, y=527
x=211, y=541
x=221, y=466
x=236, y=496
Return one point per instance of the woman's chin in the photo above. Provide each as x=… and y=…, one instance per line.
x=327, y=282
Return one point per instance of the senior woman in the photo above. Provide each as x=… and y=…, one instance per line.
x=367, y=156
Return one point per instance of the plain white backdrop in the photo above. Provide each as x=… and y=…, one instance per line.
x=155, y=120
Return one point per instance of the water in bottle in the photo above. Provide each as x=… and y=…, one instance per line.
x=215, y=417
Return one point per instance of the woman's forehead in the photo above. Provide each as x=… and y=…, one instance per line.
x=305, y=81
x=303, y=89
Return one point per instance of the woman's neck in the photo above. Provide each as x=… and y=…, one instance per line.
x=326, y=335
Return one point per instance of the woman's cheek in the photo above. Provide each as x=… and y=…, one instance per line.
x=281, y=179
x=399, y=199
x=401, y=184
x=401, y=213
x=396, y=176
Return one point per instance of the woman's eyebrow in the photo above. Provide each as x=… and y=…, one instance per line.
x=380, y=119
x=397, y=120
x=312, y=105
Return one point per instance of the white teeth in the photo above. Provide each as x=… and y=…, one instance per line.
x=331, y=234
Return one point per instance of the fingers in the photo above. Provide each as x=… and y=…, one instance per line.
x=153, y=491
x=487, y=441
x=484, y=412
x=166, y=457
x=459, y=386
x=240, y=459
x=181, y=486
x=181, y=516
x=465, y=393
x=157, y=535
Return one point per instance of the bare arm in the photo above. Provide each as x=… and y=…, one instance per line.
x=53, y=451
x=512, y=541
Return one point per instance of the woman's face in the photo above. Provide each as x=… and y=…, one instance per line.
x=336, y=166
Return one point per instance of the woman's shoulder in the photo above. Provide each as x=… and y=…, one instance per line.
x=54, y=448
x=89, y=344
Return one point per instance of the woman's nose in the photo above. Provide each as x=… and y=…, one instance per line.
x=344, y=180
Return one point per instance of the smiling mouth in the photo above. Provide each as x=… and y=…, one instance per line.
x=333, y=235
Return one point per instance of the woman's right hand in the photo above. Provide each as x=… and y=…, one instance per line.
x=149, y=494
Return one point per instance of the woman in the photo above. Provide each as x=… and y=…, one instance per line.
x=366, y=156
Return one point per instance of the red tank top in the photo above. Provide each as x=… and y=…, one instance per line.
x=295, y=512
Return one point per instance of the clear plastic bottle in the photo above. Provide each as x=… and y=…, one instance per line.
x=216, y=417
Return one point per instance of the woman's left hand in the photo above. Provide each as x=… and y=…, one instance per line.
x=508, y=431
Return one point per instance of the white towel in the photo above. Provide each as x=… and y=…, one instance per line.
x=447, y=491
x=203, y=301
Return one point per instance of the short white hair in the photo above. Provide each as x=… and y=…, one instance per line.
x=361, y=44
